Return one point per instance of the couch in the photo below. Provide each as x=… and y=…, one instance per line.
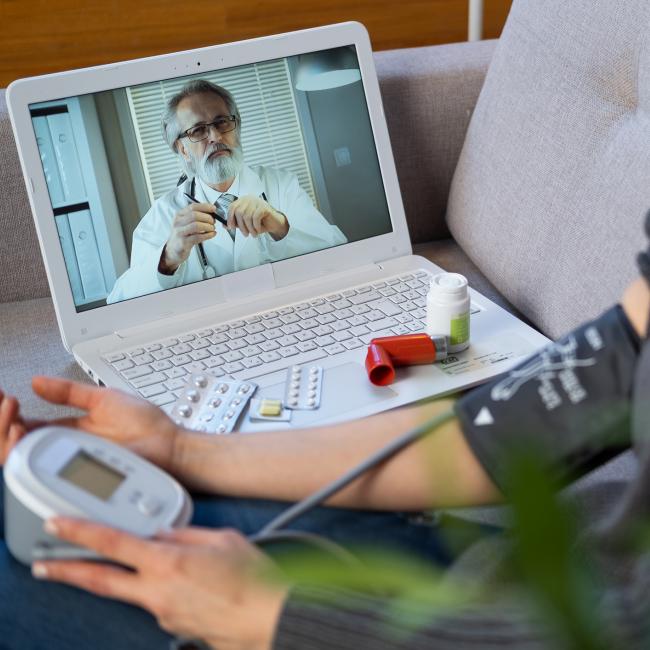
x=535, y=191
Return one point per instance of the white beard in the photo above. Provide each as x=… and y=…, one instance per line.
x=220, y=168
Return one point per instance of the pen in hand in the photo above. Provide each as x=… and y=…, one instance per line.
x=218, y=217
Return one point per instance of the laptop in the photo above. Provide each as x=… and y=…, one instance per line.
x=149, y=287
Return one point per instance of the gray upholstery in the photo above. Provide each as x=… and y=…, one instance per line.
x=23, y=272
x=427, y=130
x=552, y=183
x=429, y=95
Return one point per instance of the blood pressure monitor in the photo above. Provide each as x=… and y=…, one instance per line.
x=62, y=471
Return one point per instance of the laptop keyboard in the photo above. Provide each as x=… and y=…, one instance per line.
x=274, y=340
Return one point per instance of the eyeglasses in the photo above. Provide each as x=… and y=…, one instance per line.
x=223, y=124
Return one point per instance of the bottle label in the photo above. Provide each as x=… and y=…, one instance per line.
x=459, y=329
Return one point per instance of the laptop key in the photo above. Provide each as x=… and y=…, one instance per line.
x=173, y=373
x=267, y=346
x=270, y=356
x=186, y=338
x=252, y=362
x=254, y=339
x=162, y=399
x=334, y=348
x=325, y=308
x=306, y=346
x=387, y=307
x=151, y=391
x=322, y=341
x=198, y=355
x=232, y=356
x=305, y=336
x=382, y=324
x=159, y=355
x=181, y=359
x=181, y=348
x=213, y=362
x=367, y=296
x=138, y=371
x=161, y=365
x=325, y=319
x=114, y=357
x=125, y=364
x=195, y=366
x=359, y=330
x=235, y=366
x=236, y=344
x=148, y=380
x=254, y=328
x=288, y=351
x=344, y=335
x=251, y=350
x=167, y=343
x=281, y=364
x=352, y=344
x=175, y=384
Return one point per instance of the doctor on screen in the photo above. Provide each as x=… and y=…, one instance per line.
x=267, y=215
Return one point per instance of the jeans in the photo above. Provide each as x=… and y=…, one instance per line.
x=36, y=615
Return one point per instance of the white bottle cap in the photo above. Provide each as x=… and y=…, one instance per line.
x=453, y=284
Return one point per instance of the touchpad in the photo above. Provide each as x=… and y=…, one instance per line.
x=345, y=388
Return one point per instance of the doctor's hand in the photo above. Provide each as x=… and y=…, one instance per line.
x=254, y=216
x=191, y=225
x=124, y=419
x=198, y=583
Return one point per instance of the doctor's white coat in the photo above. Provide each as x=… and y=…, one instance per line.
x=308, y=231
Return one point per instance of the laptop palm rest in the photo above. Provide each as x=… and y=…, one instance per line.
x=345, y=388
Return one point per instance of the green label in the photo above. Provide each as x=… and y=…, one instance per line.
x=459, y=333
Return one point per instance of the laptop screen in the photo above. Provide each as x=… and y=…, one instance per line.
x=173, y=182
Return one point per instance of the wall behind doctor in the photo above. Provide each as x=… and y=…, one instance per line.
x=348, y=159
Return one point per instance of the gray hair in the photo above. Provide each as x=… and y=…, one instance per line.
x=170, y=126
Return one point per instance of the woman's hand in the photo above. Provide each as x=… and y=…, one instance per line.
x=198, y=583
x=12, y=427
x=124, y=419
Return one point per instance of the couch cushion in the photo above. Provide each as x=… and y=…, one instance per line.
x=428, y=95
x=24, y=275
x=30, y=344
x=552, y=183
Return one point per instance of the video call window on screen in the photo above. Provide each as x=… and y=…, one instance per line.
x=303, y=145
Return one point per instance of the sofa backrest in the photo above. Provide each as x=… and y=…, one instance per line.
x=552, y=184
x=23, y=274
x=428, y=95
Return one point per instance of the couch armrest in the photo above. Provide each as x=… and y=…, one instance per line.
x=429, y=94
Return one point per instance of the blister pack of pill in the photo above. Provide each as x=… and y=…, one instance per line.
x=303, y=387
x=211, y=405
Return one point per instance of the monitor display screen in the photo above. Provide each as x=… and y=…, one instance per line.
x=178, y=181
x=91, y=475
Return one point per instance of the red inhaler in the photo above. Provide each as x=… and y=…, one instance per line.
x=386, y=352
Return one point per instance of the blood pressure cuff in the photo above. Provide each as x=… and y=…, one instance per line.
x=568, y=404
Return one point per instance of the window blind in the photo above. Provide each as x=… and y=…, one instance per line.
x=270, y=134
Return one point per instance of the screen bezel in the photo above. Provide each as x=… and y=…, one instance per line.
x=76, y=326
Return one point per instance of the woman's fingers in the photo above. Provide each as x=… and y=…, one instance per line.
x=64, y=391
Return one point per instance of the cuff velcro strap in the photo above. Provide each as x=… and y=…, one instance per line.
x=569, y=403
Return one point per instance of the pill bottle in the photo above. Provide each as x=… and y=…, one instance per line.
x=448, y=310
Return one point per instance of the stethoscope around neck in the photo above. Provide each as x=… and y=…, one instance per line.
x=208, y=271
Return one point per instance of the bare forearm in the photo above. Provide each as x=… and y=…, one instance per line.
x=439, y=470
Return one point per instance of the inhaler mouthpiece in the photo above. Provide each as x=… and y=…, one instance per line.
x=387, y=352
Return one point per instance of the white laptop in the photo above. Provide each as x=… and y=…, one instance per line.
x=302, y=127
